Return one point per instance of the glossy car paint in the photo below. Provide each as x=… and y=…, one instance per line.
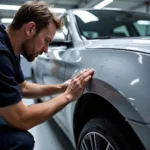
x=122, y=77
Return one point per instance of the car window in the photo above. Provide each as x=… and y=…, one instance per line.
x=91, y=34
x=65, y=28
x=62, y=35
x=143, y=27
x=94, y=24
x=121, y=30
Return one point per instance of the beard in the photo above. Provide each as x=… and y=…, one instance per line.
x=28, y=56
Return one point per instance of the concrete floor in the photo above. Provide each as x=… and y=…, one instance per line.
x=48, y=136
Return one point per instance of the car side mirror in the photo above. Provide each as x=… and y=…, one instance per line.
x=59, y=40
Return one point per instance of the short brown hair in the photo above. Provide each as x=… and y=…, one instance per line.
x=37, y=12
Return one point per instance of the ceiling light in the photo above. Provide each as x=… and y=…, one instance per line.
x=103, y=4
x=58, y=10
x=16, y=7
x=9, y=7
x=6, y=20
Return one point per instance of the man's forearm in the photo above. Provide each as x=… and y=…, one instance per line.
x=32, y=90
x=38, y=113
x=25, y=117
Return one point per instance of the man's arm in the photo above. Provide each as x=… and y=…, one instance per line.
x=32, y=90
x=25, y=117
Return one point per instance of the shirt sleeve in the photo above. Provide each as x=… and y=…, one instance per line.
x=9, y=89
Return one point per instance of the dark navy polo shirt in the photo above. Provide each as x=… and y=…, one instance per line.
x=10, y=72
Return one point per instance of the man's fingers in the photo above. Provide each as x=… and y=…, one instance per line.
x=79, y=82
x=86, y=80
x=85, y=74
x=81, y=79
x=83, y=71
x=88, y=72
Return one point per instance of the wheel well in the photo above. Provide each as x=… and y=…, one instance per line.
x=92, y=105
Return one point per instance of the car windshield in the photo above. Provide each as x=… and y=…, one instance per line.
x=96, y=24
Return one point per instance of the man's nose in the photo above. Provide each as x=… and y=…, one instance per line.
x=45, y=49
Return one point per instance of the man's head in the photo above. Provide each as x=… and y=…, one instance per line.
x=38, y=25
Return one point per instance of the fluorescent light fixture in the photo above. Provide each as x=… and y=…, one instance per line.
x=9, y=7
x=16, y=7
x=143, y=22
x=103, y=4
x=6, y=20
x=85, y=16
x=58, y=10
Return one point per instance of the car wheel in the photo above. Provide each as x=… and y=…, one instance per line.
x=101, y=134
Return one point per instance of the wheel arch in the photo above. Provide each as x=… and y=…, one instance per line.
x=87, y=109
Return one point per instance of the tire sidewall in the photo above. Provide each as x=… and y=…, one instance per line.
x=107, y=130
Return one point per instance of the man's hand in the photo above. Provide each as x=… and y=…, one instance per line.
x=65, y=85
x=78, y=84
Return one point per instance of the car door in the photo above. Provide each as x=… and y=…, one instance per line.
x=54, y=72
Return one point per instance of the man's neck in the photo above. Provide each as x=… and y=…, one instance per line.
x=15, y=39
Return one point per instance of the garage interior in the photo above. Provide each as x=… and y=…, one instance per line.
x=7, y=13
x=48, y=135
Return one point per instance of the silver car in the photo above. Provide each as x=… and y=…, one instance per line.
x=113, y=113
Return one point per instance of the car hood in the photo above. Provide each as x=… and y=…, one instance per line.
x=140, y=44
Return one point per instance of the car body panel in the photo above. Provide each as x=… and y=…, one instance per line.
x=133, y=44
x=142, y=131
x=117, y=72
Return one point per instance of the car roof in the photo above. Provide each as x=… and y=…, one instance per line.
x=109, y=9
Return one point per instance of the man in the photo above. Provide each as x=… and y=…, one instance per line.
x=29, y=34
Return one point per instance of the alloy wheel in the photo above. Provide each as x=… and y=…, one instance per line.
x=95, y=141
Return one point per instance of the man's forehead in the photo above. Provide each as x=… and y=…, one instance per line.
x=51, y=29
x=47, y=33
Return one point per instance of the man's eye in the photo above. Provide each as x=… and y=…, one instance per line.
x=46, y=41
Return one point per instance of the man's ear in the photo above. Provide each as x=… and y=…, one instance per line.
x=30, y=29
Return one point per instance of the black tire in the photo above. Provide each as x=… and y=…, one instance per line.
x=104, y=132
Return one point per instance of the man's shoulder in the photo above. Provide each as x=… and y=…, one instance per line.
x=4, y=51
x=3, y=47
x=6, y=56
